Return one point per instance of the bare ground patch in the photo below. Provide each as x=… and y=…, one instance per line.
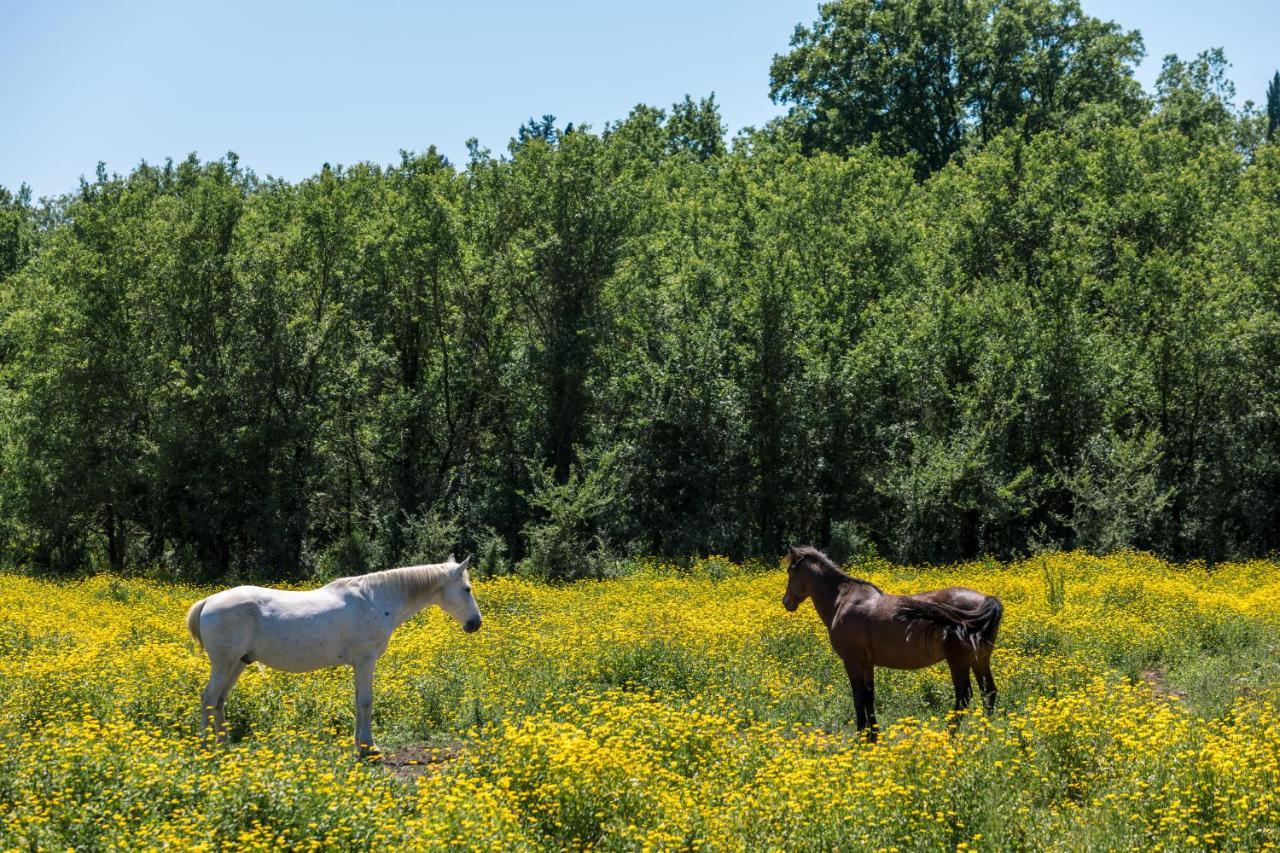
x=411, y=761
x=1155, y=678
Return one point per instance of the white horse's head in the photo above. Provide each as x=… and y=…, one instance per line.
x=456, y=599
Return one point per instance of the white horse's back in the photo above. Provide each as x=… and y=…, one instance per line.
x=296, y=631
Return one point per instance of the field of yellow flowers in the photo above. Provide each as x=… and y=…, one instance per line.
x=669, y=709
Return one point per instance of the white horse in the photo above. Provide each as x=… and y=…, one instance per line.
x=346, y=623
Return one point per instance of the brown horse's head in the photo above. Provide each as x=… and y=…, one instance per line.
x=798, y=578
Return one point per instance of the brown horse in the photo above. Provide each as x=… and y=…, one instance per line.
x=869, y=627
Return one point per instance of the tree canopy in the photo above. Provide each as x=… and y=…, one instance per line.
x=925, y=77
x=976, y=294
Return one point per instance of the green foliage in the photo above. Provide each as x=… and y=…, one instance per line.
x=429, y=537
x=924, y=77
x=1273, y=106
x=491, y=554
x=568, y=541
x=353, y=554
x=695, y=127
x=850, y=543
x=1116, y=493
x=17, y=230
x=1196, y=96
x=975, y=294
x=1055, y=585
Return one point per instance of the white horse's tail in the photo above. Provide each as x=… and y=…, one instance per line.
x=193, y=621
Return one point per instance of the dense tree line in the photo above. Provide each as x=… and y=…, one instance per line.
x=975, y=293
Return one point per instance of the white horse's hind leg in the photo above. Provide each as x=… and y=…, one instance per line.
x=209, y=699
x=222, y=677
x=219, y=709
x=364, y=707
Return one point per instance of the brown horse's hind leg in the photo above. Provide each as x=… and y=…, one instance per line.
x=862, y=678
x=986, y=683
x=959, y=661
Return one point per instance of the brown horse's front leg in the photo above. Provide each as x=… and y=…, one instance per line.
x=862, y=680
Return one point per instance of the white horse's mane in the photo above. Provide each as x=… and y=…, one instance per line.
x=409, y=581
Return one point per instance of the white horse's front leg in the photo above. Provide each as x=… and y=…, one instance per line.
x=364, y=708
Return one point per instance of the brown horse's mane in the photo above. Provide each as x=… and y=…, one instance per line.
x=803, y=552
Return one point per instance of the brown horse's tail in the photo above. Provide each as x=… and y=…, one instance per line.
x=193, y=621
x=975, y=627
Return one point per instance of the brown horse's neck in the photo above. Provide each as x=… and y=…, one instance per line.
x=828, y=587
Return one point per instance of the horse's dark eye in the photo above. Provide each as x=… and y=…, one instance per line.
x=467, y=589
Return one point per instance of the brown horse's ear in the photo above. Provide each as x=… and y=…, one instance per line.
x=793, y=552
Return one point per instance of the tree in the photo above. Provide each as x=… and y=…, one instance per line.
x=695, y=127
x=1196, y=96
x=125, y=374
x=17, y=230
x=1273, y=106
x=563, y=209
x=924, y=76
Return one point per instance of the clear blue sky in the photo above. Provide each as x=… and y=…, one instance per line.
x=289, y=86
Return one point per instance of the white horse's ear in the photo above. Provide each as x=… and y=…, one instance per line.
x=464, y=564
x=452, y=559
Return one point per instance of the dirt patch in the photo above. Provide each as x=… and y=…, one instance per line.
x=1155, y=679
x=407, y=763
